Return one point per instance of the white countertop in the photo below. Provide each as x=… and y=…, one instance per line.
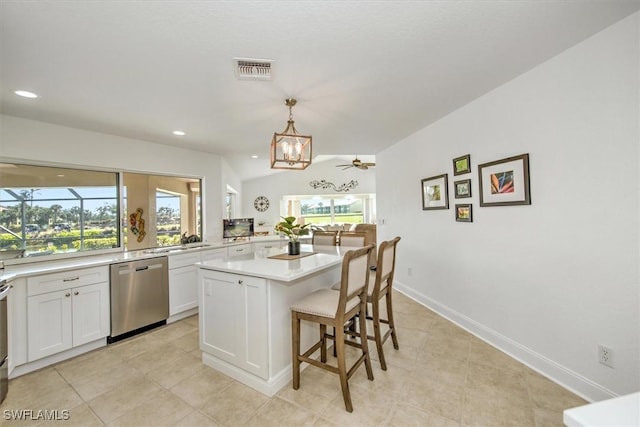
x=259, y=264
x=618, y=412
x=29, y=266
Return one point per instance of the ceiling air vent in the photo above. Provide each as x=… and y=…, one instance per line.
x=253, y=69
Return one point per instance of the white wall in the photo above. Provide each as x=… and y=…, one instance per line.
x=42, y=142
x=550, y=281
x=297, y=182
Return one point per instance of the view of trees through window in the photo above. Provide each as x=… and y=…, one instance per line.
x=46, y=210
x=168, y=218
x=52, y=210
x=332, y=209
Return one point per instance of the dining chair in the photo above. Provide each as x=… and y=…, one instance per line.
x=331, y=308
x=352, y=238
x=324, y=238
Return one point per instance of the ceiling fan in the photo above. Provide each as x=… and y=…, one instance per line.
x=357, y=163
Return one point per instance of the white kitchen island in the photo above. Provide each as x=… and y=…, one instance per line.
x=245, y=322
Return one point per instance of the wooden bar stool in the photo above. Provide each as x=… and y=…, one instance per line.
x=324, y=238
x=352, y=238
x=380, y=286
x=332, y=308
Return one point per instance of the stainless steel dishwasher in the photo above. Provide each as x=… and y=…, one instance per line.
x=139, y=296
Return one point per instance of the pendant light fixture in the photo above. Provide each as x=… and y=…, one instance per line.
x=289, y=149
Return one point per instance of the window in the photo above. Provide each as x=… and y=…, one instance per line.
x=230, y=201
x=168, y=218
x=50, y=210
x=169, y=207
x=332, y=209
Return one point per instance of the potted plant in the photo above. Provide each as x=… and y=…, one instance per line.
x=293, y=232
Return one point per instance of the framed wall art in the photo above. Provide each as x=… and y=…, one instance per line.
x=462, y=188
x=505, y=182
x=463, y=213
x=435, y=193
x=462, y=165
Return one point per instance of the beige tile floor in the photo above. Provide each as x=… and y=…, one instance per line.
x=441, y=376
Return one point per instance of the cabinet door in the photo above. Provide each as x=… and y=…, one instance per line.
x=49, y=326
x=183, y=289
x=254, y=326
x=233, y=320
x=90, y=313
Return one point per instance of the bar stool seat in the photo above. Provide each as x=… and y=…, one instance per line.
x=331, y=308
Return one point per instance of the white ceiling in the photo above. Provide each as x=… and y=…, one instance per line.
x=365, y=73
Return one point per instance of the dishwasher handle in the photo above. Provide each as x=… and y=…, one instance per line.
x=127, y=269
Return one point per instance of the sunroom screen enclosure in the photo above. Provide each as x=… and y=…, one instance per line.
x=46, y=210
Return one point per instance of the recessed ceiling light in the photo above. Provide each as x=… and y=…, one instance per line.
x=254, y=157
x=179, y=133
x=25, y=94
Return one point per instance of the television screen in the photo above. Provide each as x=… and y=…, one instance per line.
x=237, y=227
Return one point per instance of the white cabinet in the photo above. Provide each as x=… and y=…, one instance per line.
x=277, y=244
x=61, y=316
x=212, y=254
x=183, y=282
x=91, y=313
x=236, y=250
x=183, y=278
x=233, y=320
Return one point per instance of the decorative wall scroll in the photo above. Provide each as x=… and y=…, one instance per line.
x=325, y=184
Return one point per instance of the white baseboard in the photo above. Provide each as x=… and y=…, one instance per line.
x=183, y=315
x=557, y=373
x=55, y=358
x=267, y=387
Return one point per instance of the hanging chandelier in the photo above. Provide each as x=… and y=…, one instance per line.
x=289, y=149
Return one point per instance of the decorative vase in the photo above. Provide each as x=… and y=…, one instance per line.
x=294, y=248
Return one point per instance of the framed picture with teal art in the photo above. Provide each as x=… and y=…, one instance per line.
x=462, y=188
x=435, y=193
x=505, y=182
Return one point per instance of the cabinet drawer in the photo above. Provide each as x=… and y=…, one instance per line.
x=183, y=260
x=37, y=285
x=211, y=254
x=270, y=245
x=239, y=250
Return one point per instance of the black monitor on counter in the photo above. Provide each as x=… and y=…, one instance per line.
x=237, y=227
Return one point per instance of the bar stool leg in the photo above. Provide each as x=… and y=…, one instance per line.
x=364, y=341
x=377, y=334
x=392, y=324
x=342, y=368
x=295, y=346
x=323, y=340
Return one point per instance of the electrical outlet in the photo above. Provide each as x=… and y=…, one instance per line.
x=409, y=272
x=605, y=355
